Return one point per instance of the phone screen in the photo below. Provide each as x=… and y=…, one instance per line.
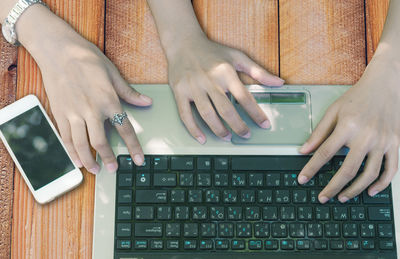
x=36, y=147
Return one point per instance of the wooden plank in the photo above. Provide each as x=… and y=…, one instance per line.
x=63, y=228
x=376, y=11
x=248, y=25
x=132, y=42
x=8, y=72
x=322, y=41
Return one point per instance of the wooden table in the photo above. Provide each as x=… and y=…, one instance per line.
x=308, y=41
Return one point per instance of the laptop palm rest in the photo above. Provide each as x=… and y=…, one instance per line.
x=289, y=113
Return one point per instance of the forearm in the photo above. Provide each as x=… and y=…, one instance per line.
x=176, y=23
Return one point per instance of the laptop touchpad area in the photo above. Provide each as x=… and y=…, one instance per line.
x=289, y=113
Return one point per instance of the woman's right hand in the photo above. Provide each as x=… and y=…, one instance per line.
x=83, y=88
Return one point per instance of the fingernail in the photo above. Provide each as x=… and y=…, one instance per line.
x=343, y=199
x=145, y=98
x=304, y=148
x=373, y=193
x=228, y=137
x=112, y=167
x=265, y=124
x=138, y=159
x=78, y=163
x=323, y=199
x=302, y=179
x=201, y=139
x=94, y=170
x=247, y=135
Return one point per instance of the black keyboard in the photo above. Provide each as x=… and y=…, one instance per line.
x=233, y=206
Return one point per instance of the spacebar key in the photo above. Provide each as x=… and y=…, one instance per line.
x=148, y=229
x=151, y=196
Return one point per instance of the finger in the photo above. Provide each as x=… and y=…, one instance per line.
x=245, y=64
x=368, y=176
x=81, y=143
x=321, y=132
x=391, y=167
x=65, y=132
x=127, y=93
x=128, y=135
x=346, y=173
x=207, y=112
x=323, y=154
x=185, y=112
x=246, y=100
x=99, y=142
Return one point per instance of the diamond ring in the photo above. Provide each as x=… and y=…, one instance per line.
x=118, y=118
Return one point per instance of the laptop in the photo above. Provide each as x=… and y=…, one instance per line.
x=234, y=199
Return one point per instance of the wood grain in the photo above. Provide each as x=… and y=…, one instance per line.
x=376, y=11
x=322, y=41
x=63, y=228
x=248, y=25
x=132, y=42
x=8, y=72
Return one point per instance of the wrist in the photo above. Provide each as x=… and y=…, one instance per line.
x=175, y=44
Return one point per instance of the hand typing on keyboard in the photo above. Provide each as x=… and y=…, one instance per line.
x=364, y=119
x=202, y=71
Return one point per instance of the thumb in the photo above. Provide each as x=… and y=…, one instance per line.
x=245, y=64
x=129, y=94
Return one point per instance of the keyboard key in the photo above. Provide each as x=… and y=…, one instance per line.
x=165, y=179
x=190, y=230
x=252, y=213
x=212, y=196
x=125, y=163
x=270, y=213
x=140, y=244
x=248, y=196
x=320, y=244
x=273, y=179
x=261, y=229
x=124, y=213
x=297, y=230
x=238, y=245
x=314, y=230
x=190, y=244
x=340, y=213
x=332, y=230
x=199, y=212
x=160, y=163
x=282, y=196
x=164, y=213
x=271, y=244
x=288, y=213
x=124, y=244
x=386, y=244
x=156, y=244
x=350, y=230
x=225, y=230
x=151, y=196
x=144, y=212
x=367, y=230
x=186, y=179
x=222, y=244
x=379, y=213
x=172, y=244
x=287, y=244
x=305, y=213
x=182, y=163
x=290, y=180
x=124, y=196
x=208, y=229
x=204, y=163
x=300, y=196
x=221, y=163
x=279, y=229
x=385, y=230
x=124, y=229
x=256, y=179
x=217, y=213
x=357, y=213
x=234, y=213
x=173, y=229
x=148, y=229
x=243, y=230
x=125, y=180
x=264, y=196
x=303, y=244
x=181, y=212
x=204, y=179
x=352, y=245
x=324, y=178
x=239, y=179
x=314, y=196
x=195, y=196
x=322, y=213
x=206, y=245
x=381, y=198
x=177, y=196
x=142, y=179
x=368, y=244
x=230, y=196
x=255, y=244
x=336, y=244
x=221, y=179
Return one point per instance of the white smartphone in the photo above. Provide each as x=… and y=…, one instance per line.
x=37, y=149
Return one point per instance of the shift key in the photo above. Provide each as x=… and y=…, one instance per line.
x=148, y=230
x=151, y=196
x=380, y=213
x=165, y=179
